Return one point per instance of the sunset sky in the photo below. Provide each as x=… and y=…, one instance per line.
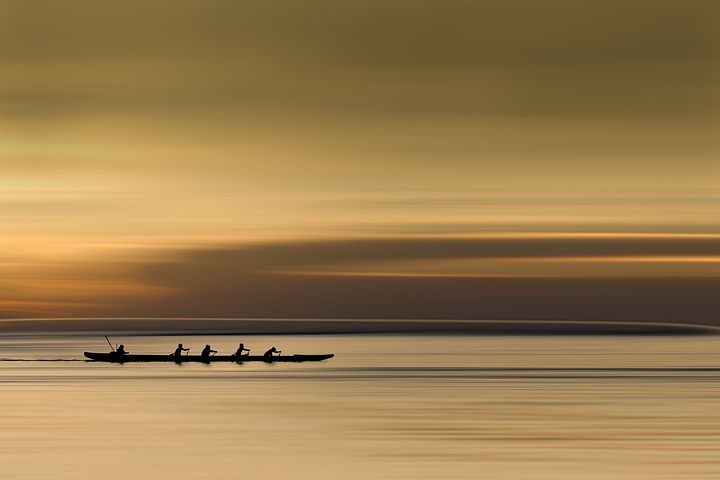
x=360, y=159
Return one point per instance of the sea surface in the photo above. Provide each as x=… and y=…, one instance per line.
x=386, y=407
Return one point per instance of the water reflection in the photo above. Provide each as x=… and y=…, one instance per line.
x=385, y=407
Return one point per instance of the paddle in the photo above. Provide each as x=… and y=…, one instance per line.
x=108, y=340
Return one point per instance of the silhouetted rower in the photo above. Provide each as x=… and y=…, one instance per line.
x=270, y=352
x=241, y=349
x=179, y=350
x=121, y=350
x=207, y=351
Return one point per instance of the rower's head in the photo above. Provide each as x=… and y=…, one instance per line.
x=207, y=346
x=121, y=346
x=180, y=345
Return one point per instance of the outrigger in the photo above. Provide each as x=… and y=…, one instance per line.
x=119, y=355
x=120, y=358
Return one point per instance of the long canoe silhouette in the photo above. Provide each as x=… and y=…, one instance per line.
x=114, y=357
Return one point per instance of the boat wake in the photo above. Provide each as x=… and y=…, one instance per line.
x=43, y=360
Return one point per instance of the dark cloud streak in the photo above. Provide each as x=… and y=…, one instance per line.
x=240, y=282
x=517, y=58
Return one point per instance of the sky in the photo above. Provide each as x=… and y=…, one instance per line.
x=362, y=159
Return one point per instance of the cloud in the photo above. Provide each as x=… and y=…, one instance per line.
x=308, y=279
x=516, y=59
x=248, y=281
x=333, y=113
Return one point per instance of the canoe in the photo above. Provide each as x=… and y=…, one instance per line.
x=113, y=357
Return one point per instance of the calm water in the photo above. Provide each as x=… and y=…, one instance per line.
x=404, y=407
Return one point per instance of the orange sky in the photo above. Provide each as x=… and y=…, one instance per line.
x=143, y=138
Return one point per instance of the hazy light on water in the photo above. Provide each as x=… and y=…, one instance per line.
x=385, y=407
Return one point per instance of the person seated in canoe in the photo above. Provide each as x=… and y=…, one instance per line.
x=207, y=351
x=179, y=350
x=241, y=349
x=121, y=350
x=270, y=352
